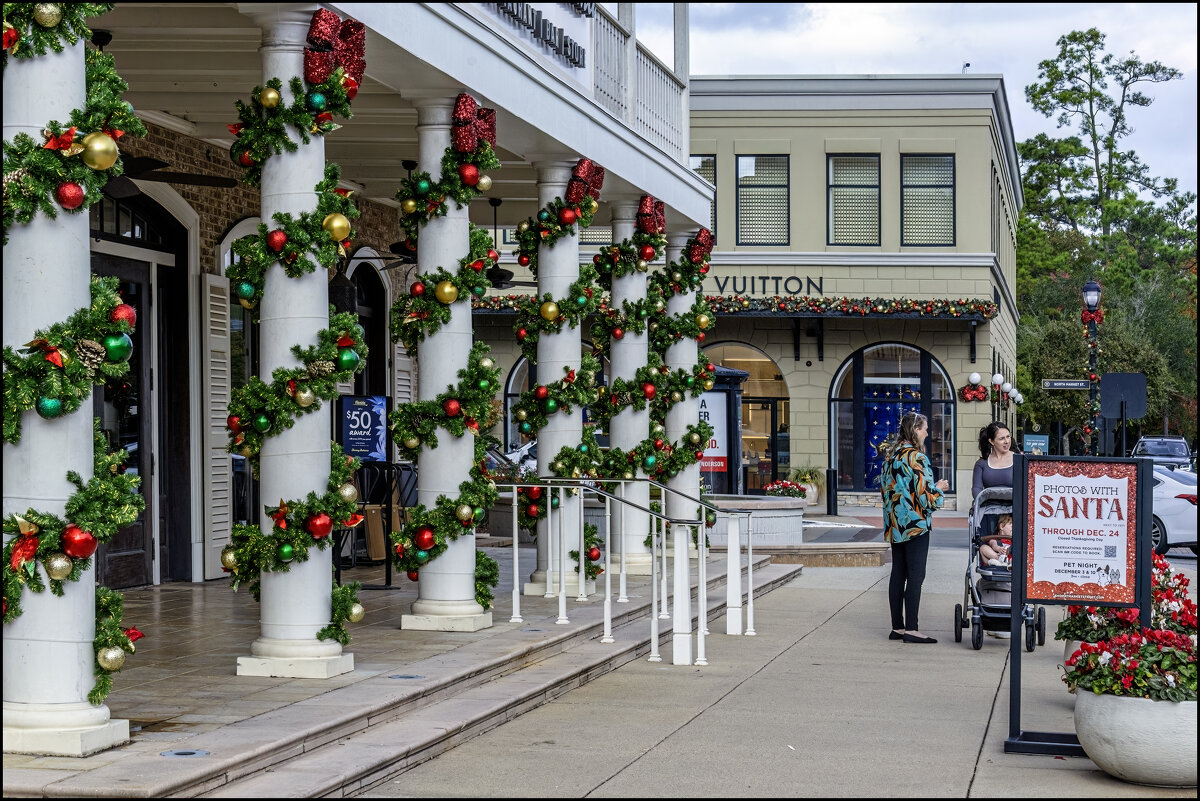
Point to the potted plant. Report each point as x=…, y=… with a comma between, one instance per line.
x=785, y=489
x=812, y=477
x=1135, y=693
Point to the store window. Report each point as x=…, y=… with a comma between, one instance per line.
x=872, y=390
x=853, y=183
x=706, y=168
x=927, y=200
x=765, y=415
x=763, y=216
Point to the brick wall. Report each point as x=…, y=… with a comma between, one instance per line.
x=220, y=209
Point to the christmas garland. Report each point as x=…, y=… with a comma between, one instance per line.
x=472, y=137
x=326, y=231
x=533, y=408
x=32, y=29
x=98, y=508
x=417, y=315
x=613, y=324
x=673, y=328
x=547, y=315
x=459, y=409
x=258, y=410
x=111, y=642
x=936, y=307
x=621, y=393
x=297, y=527
x=73, y=162
x=344, y=608
x=559, y=217
x=59, y=366
x=333, y=67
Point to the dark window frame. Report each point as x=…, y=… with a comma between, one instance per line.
x=712, y=217
x=953, y=199
x=829, y=203
x=787, y=194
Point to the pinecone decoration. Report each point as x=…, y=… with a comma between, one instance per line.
x=91, y=353
x=13, y=178
x=321, y=368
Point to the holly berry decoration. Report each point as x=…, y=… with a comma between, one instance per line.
x=77, y=543
x=124, y=313
x=319, y=525
x=69, y=195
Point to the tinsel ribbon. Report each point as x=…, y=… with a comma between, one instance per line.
x=976, y=393
x=23, y=551
x=1096, y=316
x=133, y=634
x=334, y=43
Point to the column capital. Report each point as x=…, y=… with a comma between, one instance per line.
x=284, y=25
x=432, y=109
x=552, y=172
x=624, y=207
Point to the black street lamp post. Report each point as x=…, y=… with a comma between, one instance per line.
x=1092, y=316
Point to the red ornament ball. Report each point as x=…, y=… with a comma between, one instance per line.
x=412, y=575
x=77, y=543
x=648, y=253
x=493, y=255
x=452, y=408
x=567, y=216
x=534, y=493
x=234, y=423
x=417, y=289
x=541, y=393
x=532, y=510
x=469, y=174
x=700, y=337
x=523, y=260
x=658, y=444
x=618, y=333
x=124, y=313
x=424, y=538
x=351, y=87
x=648, y=390
x=593, y=553
x=276, y=240
x=521, y=334
x=597, y=259
x=246, y=160
x=699, y=455
x=319, y=525
x=69, y=195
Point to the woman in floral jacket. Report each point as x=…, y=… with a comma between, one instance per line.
x=909, y=497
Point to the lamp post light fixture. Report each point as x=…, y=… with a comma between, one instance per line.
x=1092, y=315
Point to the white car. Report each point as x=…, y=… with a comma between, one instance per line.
x=1174, y=510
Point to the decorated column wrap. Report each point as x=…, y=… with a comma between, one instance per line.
x=296, y=604
x=447, y=583
x=48, y=651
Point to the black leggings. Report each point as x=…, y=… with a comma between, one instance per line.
x=908, y=574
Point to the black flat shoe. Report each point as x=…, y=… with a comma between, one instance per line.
x=895, y=635
x=915, y=638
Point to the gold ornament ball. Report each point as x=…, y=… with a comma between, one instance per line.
x=658, y=305
x=47, y=14
x=522, y=226
x=627, y=476
x=677, y=277
x=464, y=512
x=694, y=438
x=676, y=396
x=229, y=558
x=99, y=150
x=522, y=414
x=246, y=304
x=549, y=311
x=709, y=384
x=703, y=321
x=411, y=442
x=357, y=613
x=593, y=206
x=557, y=467
x=484, y=183
x=658, y=430
x=642, y=265
x=486, y=363
x=269, y=98
x=58, y=566
x=111, y=658
x=348, y=492
x=337, y=226
x=408, y=205
x=446, y=292
x=246, y=451
x=305, y=397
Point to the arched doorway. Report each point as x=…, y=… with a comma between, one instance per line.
x=765, y=415
x=871, y=391
x=372, y=297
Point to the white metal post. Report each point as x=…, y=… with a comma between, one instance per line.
x=623, y=597
x=562, y=556
x=750, y=632
x=607, y=571
x=733, y=576
x=702, y=594
x=582, y=554
x=654, y=543
x=516, y=566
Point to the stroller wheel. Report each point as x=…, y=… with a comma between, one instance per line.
x=1041, y=625
x=976, y=633
x=1030, y=635
x=958, y=622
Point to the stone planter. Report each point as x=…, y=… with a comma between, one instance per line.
x=777, y=521
x=1069, y=647
x=1139, y=740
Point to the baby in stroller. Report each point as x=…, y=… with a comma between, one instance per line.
x=995, y=550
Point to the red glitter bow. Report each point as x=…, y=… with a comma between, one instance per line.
x=133, y=634
x=334, y=42
x=471, y=124
x=60, y=142
x=1096, y=316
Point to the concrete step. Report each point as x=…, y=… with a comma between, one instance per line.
x=357, y=761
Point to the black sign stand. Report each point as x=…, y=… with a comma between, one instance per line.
x=1064, y=743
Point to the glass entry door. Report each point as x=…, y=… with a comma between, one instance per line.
x=123, y=406
x=766, y=443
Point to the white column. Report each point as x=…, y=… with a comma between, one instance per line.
x=296, y=604
x=558, y=268
x=48, y=656
x=679, y=416
x=446, y=590
x=629, y=427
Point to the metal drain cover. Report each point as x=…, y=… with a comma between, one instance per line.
x=406, y=676
x=185, y=752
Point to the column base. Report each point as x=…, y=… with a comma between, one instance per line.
x=537, y=583
x=474, y=622
x=322, y=667
x=71, y=742
x=636, y=564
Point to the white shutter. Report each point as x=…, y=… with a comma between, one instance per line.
x=218, y=463
x=402, y=373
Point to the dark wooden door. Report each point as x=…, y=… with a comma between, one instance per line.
x=123, y=406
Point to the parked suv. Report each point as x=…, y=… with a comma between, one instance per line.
x=1167, y=450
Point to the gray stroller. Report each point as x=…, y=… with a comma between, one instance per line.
x=987, y=593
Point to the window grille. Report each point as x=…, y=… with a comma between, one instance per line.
x=763, y=216
x=927, y=200
x=706, y=168
x=854, y=200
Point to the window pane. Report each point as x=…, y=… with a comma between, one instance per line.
x=706, y=168
x=937, y=170
x=763, y=215
x=854, y=200
x=854, y=170
x=927, y=199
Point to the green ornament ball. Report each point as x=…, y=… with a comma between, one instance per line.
x=262, y=423
x=359, y=332
x=118, y=347
x=483, y=384
x=422, y=556
x=245, y=290
x=424, y=187
x=526, y=428
x=479, y=513
x=581, y=301
x=317, y=101
x=551, y=405
x=287, y=552
x=554, y=501
x=583, y=448
x=478, y=291
x=347, y=359
x=543, y=216
x=649, y=461
x=49, y=408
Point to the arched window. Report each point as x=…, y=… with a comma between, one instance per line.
x=521, y=378
x=872, y=390
x=372, y=297
x=766, y=448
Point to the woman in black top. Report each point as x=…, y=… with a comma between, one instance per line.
x=994, y=468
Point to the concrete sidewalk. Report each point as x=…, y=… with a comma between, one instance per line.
x=819, y=704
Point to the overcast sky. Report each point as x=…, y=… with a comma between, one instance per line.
x=936, y=38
